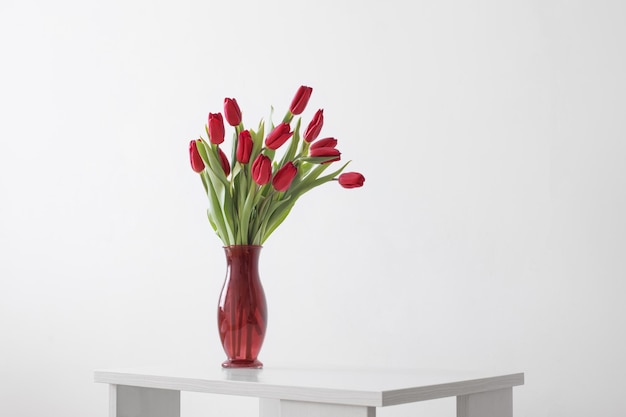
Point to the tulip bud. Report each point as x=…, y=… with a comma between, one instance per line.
x=278, y=136
x=284, y=176
x=224, y=162
x=324, y=143
x=262, y=169
x=300, y=100
x=197, y=164
x=216, y=128
x=351, y=180
x=244, y=147
x=314, y=127
x=232, y=112
x=326, y=152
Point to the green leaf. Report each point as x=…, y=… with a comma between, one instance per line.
x=212, y=222
x=317, y=159
x=278, y=214
x=312, y=180
x=246, y=213
x=216, y=215
x=204, y=182
x=242, y=232
x=304, y=167
x=224, y=202
x=233, y=153
x=308, y=179
x=276, y=221
x=257, y=141
x=215, y=164
x=304, y=149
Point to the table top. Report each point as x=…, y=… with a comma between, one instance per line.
x=373, y=387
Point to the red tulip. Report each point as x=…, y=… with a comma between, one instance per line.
x=284, y=176
x=262, y=169
x=232, y=112
x=314, y=127
x=216, y=128
x=324, y=143
x=351, y=180
x=224, y=162
x=300, y=100
x=197, y=164
x=244, y=147
x=278, y=136
x=326, y=152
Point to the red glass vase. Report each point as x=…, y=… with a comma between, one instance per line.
x=242, y=310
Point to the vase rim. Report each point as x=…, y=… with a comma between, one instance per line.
x=242, y=246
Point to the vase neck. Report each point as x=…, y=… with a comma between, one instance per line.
x=242, y=262
x=242, y=250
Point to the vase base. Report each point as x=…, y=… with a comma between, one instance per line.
x=255, y=364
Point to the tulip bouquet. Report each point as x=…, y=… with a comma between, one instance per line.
x=252, y=194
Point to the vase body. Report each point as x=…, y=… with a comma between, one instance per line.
x=242, y=309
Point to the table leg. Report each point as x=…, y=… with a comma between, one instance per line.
x=287, y=408
x=269, y=407
x=498, y=403
x=127, y=401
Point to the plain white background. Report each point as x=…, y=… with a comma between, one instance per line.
x=490, y=233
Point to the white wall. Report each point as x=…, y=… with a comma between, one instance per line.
x=490, y=232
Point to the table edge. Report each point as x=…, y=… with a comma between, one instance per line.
x=312, y=394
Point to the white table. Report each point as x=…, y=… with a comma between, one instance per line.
x=288, y=392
